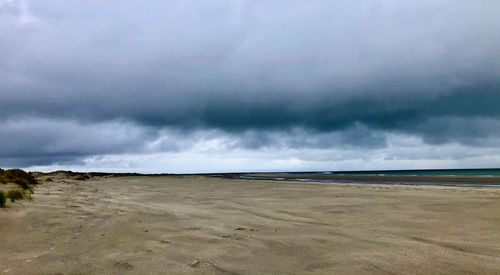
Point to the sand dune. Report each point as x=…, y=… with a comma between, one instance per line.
x=202, y=225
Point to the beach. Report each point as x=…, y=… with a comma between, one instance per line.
x=199, y=224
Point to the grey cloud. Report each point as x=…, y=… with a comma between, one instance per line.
x=478, y=132
x=357, y=136
x=30, y=141
x=345, y=73
x=40, y=141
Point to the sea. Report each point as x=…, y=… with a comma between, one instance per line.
x=485, y=172
x=489, y=177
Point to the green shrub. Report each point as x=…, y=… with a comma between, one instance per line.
x=2, y=199
x=14, y=195
x=12, y=174
x=21, y=178
x=21, y=182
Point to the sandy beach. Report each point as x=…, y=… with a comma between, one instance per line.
x=202, y=225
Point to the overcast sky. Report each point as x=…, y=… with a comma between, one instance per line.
x=208, y=86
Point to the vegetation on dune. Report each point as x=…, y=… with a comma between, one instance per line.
x=19, y=176
x=14, y=195
x=21, y=182
x=3, y=199
x=22, y=179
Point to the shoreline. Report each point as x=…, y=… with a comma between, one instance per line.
x=456, y=181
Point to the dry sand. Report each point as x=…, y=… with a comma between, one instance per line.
x=201, y=225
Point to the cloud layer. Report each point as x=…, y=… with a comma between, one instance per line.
x=80, y=80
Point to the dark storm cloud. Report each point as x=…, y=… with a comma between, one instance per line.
x=342, y=72
x=40, y=142
x=357, y=136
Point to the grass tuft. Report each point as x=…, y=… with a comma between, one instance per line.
x=14, y=195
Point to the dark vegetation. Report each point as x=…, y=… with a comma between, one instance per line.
x=14, y=195
x=17, y=176
x=23, y=180
x=3, y=199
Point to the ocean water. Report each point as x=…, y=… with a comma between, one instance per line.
x=467, y=181
x=490, y=172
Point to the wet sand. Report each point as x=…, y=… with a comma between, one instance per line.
x=203, y=225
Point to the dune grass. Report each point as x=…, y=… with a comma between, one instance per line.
x=14, y=195
x=24, y=180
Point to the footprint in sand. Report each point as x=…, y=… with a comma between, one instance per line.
x=244, y=229
x=122, y=265
x=235, y=237
x=208, y=266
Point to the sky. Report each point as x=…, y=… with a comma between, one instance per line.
x=186, y=86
